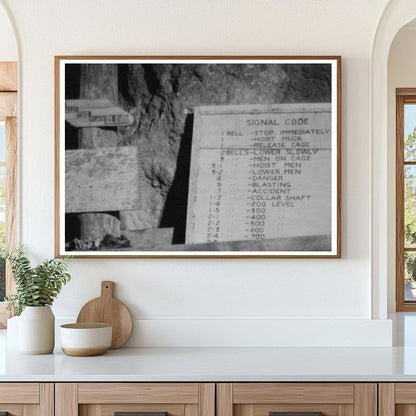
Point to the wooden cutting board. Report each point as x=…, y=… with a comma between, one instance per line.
x=108, y=310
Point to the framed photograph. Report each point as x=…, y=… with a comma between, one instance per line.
x=198, y=156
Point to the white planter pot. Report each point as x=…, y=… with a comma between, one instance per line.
x=12, y=334
x=37, y=330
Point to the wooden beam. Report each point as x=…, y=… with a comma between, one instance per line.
x=98, y=112
x=8, y=76
x=11, y=196
x=8, y=105
x=106, y=179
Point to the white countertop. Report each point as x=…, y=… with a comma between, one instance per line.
x=215, y=364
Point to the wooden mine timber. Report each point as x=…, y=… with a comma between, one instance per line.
x=148, y=239
x=95, y=113
x=105, y=179
x=95, y=137
x=97, y=225
x=310, y=243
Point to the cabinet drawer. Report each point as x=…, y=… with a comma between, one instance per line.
x=19, y=393
x=147, y=399
x=21, y=399
x=138, y=393
x=297, y=399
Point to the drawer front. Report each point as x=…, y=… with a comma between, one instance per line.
x=22, y=399
x=138, y=393
x=297, y=399
x=131, y=399
x=342, y=393
x=19, y=393
x=118, y=409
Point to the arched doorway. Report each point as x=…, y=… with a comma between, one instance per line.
x=396, y=15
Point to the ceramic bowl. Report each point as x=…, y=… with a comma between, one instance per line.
x=83, y=340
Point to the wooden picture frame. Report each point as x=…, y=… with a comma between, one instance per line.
x=198, y=156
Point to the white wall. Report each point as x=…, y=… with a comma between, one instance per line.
x=401, y=74
x=202, y=299
x=8, y=47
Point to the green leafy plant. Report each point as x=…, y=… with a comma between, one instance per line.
x=35, y=285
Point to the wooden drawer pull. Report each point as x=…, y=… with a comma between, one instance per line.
x=295, y=413
x=139, y=414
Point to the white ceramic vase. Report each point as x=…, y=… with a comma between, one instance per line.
x=13, y=332
x=37, y=330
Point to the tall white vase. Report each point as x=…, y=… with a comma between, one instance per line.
x=13, y=332
x=37, y=330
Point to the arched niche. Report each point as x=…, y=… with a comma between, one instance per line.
x=396, y=14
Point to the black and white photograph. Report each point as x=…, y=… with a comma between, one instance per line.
x=197, y=156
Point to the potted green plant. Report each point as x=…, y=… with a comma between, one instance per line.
x=36, y=289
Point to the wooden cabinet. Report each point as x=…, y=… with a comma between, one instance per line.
x=27, y=399
x=208, y=399
x=106, y=399
x=262, y=399
x=397, y=399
